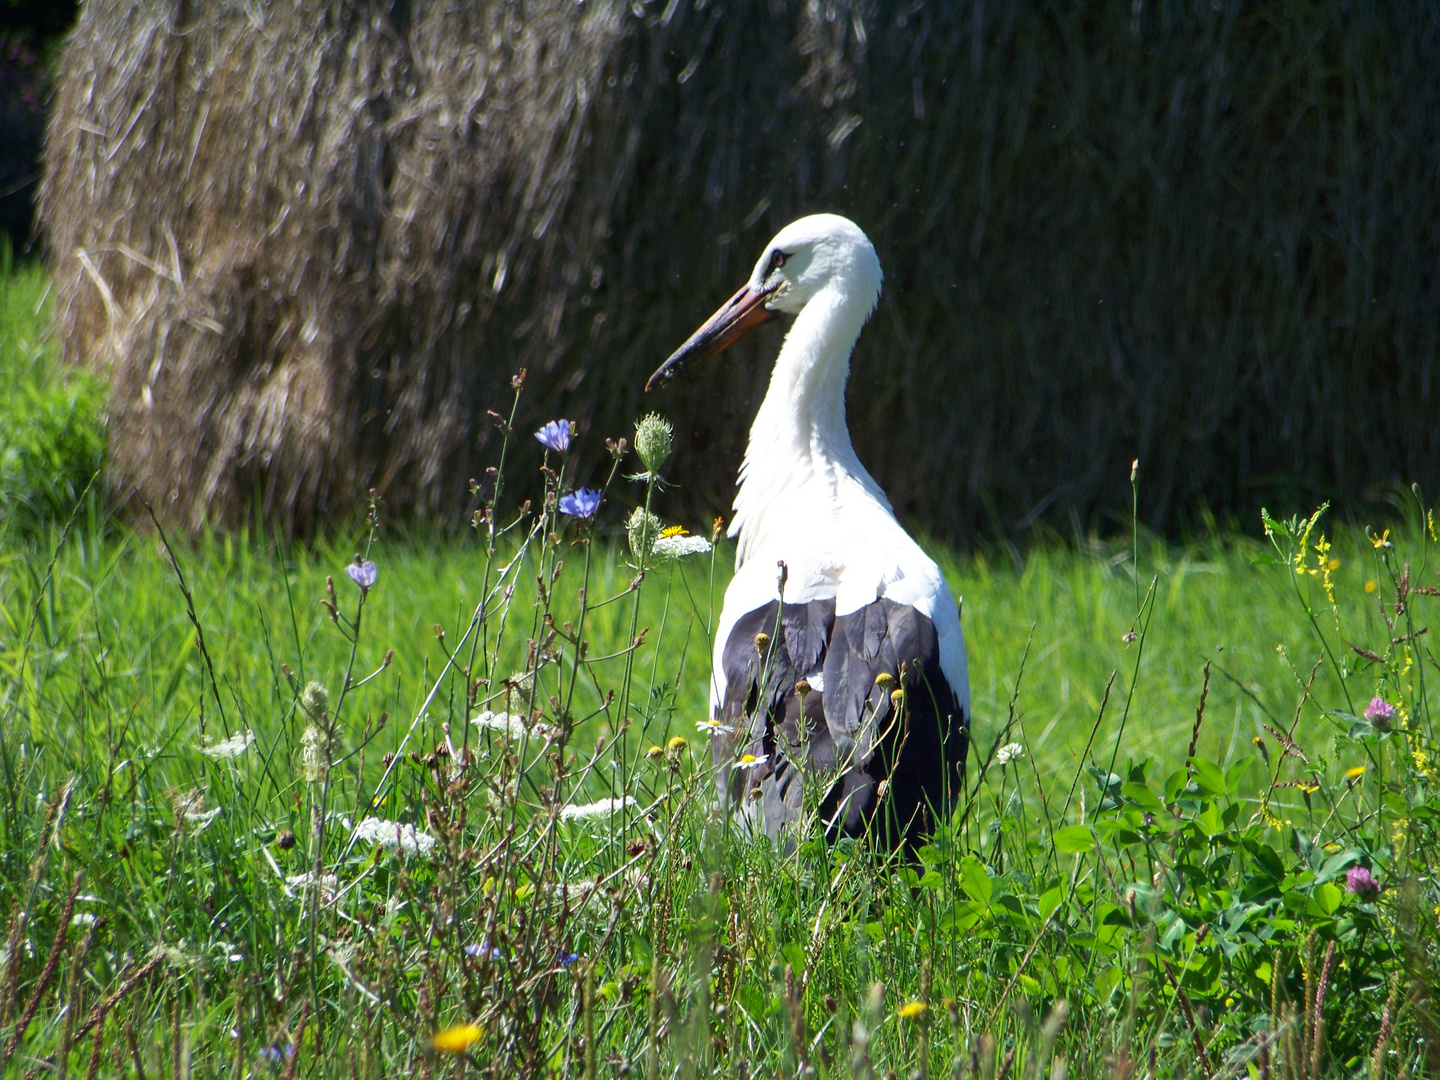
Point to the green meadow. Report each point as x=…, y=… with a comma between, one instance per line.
x=257, y=820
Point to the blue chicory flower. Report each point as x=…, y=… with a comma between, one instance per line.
x=581, y=503
x=568, y=958
x=555, y=436
x=363, y=574
x=484, y=951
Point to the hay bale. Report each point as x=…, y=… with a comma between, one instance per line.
x=311, y=246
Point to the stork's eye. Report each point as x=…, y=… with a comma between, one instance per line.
x=777, y=260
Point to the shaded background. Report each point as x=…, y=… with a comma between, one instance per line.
x=311, y=243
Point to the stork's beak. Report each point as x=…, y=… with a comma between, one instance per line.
x=742, y=313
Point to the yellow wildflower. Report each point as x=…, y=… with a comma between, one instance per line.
x=1381, y=541
x=1310, y=789
x=673, y=530
x=884, y=679
x=1369, y=586
x=1334, y=564
x=456, y=1039
x=1355, y=773
x=897, y=696
x=655, y=752
x=912, y=1010
x=676, y=744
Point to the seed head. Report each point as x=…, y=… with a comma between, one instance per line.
x=643, y=529
x=314, y=699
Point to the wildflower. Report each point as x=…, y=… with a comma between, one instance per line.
x=567, y=958
x=555, y=436
x=912, y=1010
x=654, y=439
x=232, y=747
x=642, y=529
x=314, y=699
x=677, y=547
x=762, y=642
x=190, y=808
x=884, y=680
x=1259, y=744
x=456, y=1039
x=275, y=1053
x=751, y=761
x=676, y=744
x=897, y=696
x=581, y=503
x=1353, y=774
x=1370, y=586
x=1008, y=753
x=1379, y=712
x=1381, y=541
x=673, y=530
x=362, y=573
x=312, y=759
x=594, y=809
x=1361, y=882
x=655, y=752
x=511, y=724
x=396, y=835
x=328, y=884
x=484, y=951
x=1309, y=789
x=714, y=727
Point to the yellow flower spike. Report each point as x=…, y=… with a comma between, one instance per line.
x=912, y=1010
x=655, y=752
x=1355, y=774
x=676, y=744
x=1370, y=586
x=456, y=1039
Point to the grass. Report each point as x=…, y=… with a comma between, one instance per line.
x=1146, y=888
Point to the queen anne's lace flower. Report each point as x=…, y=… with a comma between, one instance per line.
x=232, y=747
x=677, y=547
x=594, y=809
x=396, y=835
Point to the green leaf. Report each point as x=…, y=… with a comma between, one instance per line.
x=1051, y=899
x=975, y=880
x=1073, y=839
x=1325, y=899
x=1208, y=777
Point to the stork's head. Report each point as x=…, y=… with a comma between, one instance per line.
x=820, y=254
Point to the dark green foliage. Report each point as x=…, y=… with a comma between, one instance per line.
x=1203, y=235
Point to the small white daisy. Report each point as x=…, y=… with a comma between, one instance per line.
x=714, y=727
x=751, y=761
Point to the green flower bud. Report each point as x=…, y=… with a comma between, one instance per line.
x=654, y=439
x=643, y=529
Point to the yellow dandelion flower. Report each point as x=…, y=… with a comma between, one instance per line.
x=655, y=751
x=456, y=1039
x=912, y=1010
x=673, y=530
x=1355, y=773
x=676, y=744
x=1370, y=586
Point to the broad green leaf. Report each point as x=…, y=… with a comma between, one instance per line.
x=975, y=880
x=1208, y=776
x=1074, y=839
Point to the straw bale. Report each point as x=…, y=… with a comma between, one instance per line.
x=311, y=242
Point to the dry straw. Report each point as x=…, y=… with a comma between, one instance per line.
x=312, y=241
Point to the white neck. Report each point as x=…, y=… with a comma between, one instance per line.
x=800, y=461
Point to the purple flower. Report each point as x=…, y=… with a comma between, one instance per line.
x=276, y=1053
x=362, y=573
x=568, y=958
x=484, y=951
x=1379, y=712
x=1361, y=882
x=581, y=503
x=555, y=436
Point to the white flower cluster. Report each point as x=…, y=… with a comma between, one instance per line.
x=594, y=809
x=396, y=835
x=511, y=724
x=229, y=748
x=1009, y=752
x=677, y=547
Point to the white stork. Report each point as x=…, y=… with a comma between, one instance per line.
x=802, y=653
